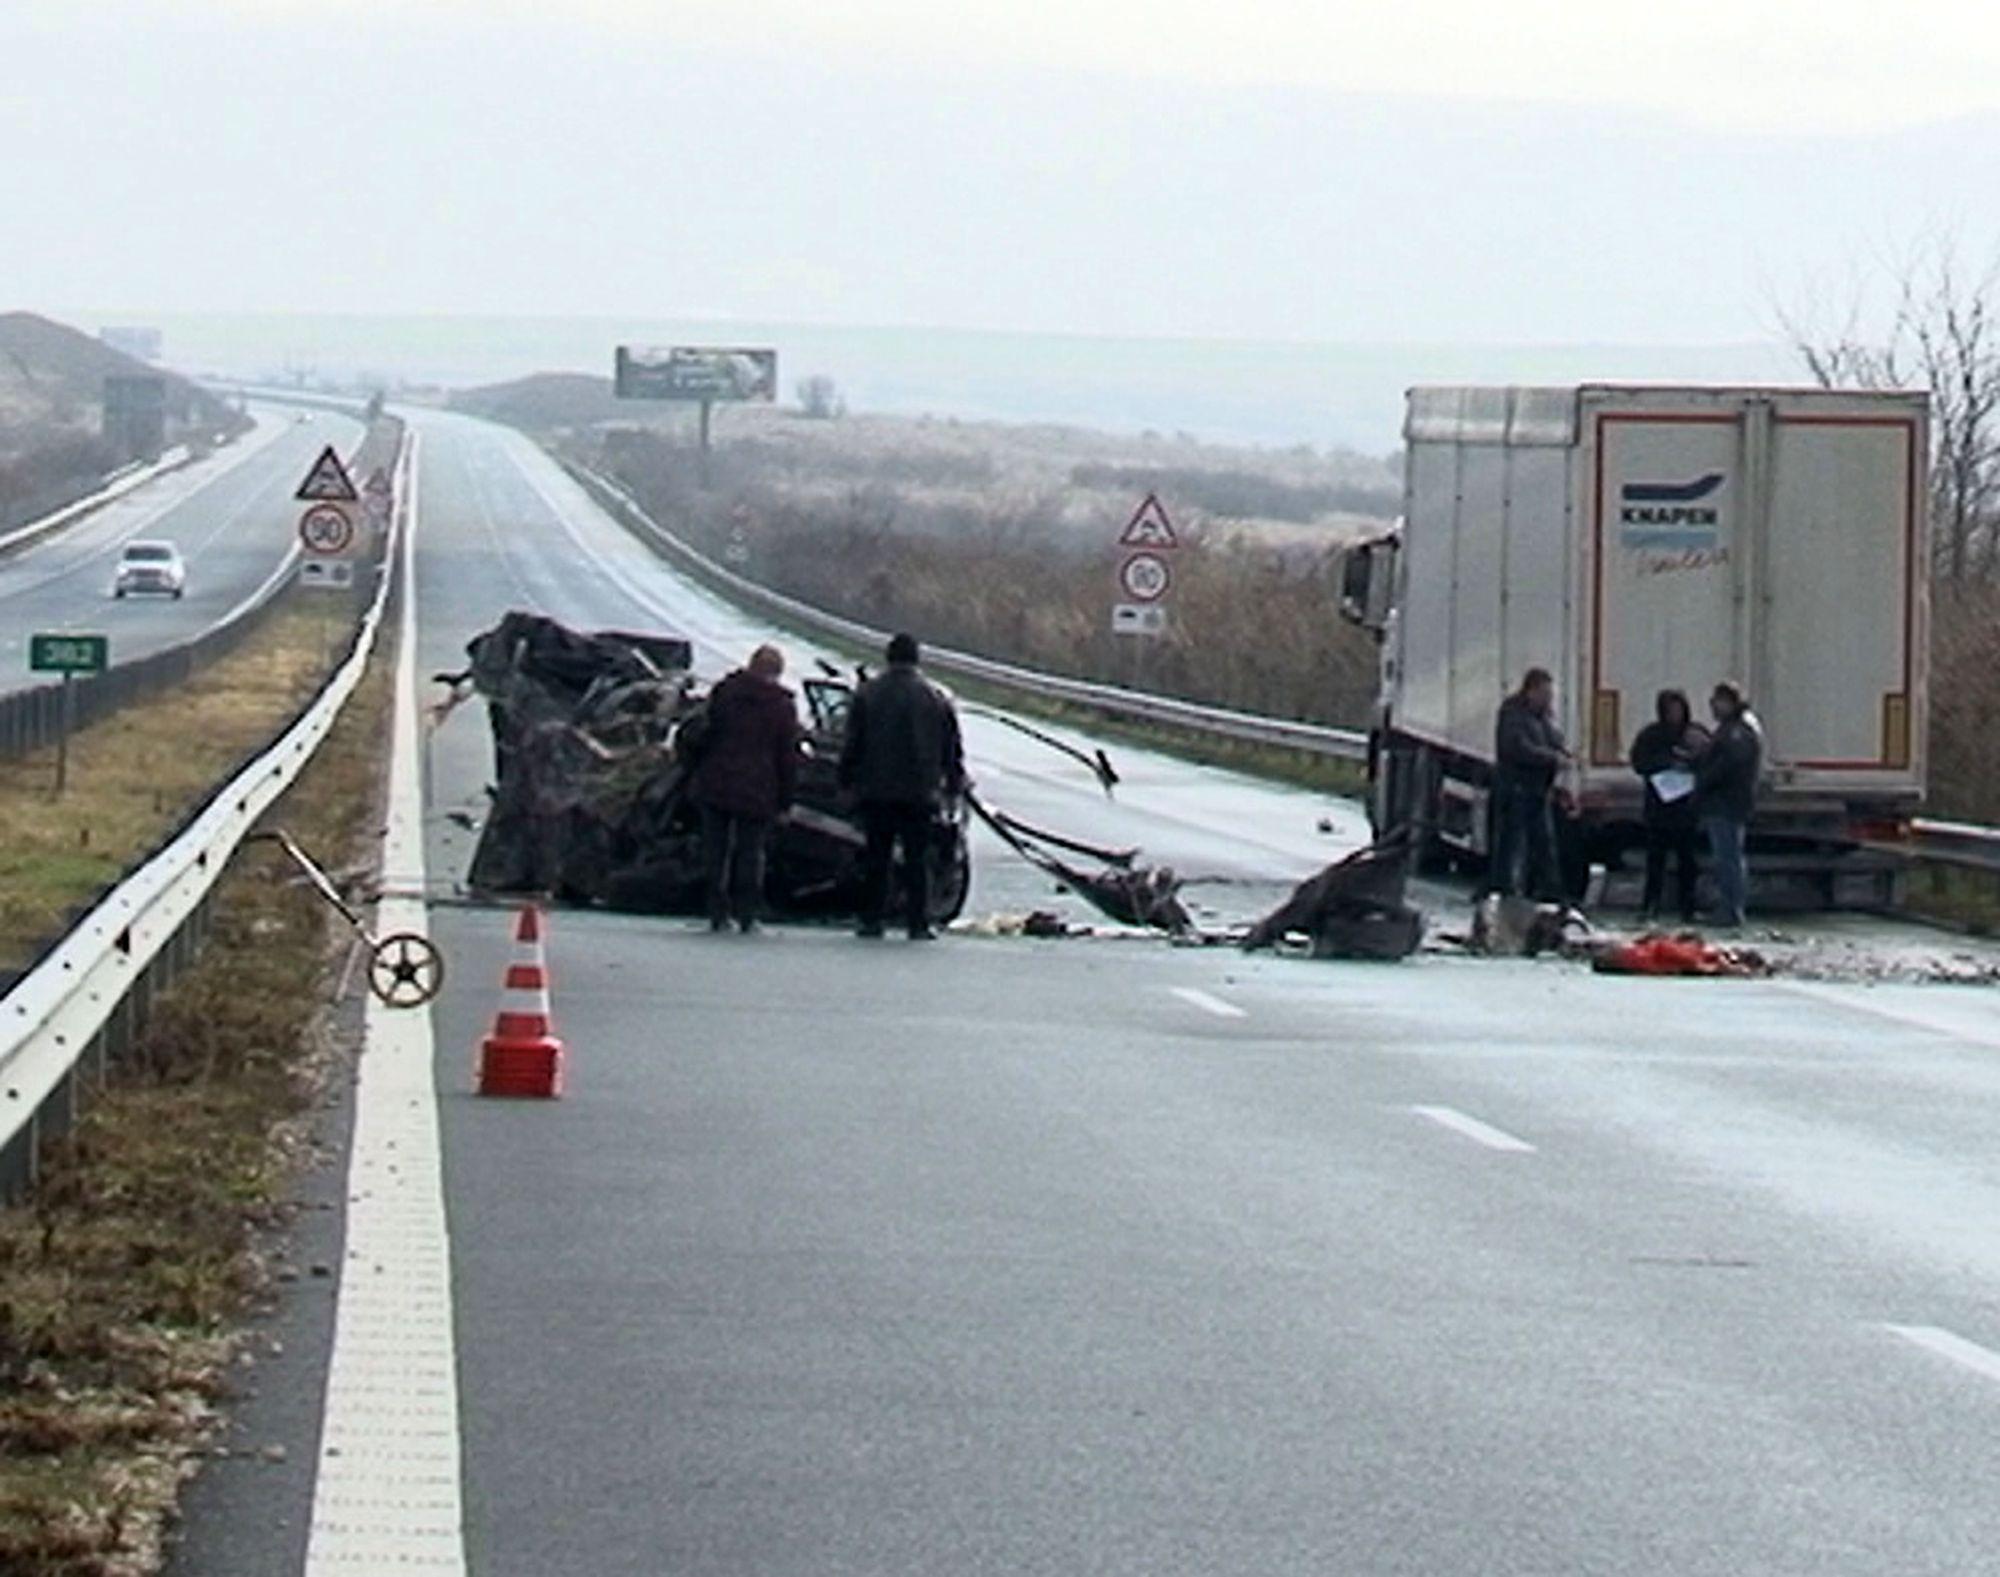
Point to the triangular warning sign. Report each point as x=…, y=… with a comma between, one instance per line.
x=327, y=482
x=378, y=481
x=1149, y=527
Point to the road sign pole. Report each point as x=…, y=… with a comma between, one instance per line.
x=707, y=407
x=62, y=734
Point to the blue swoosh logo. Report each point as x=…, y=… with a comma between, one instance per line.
x=1671, y=492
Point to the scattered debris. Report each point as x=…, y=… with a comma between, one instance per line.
x=1037, y=923
x=1149, y=896
x=1659, y=953
x=1505, y=925
x=1355, y=908
x=1098, y=762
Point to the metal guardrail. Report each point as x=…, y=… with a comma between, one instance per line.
x=32, y=719
x=1343, y=744
x=82, y=1003
x=1955, y=843
x=124, y=480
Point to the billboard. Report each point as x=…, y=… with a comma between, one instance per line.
x=137, y=340
x=135, y=415
x=696, y=372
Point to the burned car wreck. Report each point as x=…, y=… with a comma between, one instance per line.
x=590, y=805
x=589, y=802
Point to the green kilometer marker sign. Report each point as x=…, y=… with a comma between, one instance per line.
x=69, y=654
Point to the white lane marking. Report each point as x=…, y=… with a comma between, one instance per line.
x=1910, y=1015
x=88, y=547
x=528, y=465
x=1982, y=1361
x=1472, y=1128
x=386, y=1496
x=1207, y=1003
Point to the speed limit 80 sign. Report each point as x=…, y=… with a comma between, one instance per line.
x=327, y=530
x=1145, y=577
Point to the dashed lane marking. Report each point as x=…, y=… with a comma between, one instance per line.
x=1207, y=1003
x=1472, y=1128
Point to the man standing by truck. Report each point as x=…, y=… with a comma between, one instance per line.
x=1528, y=751
x=1726, y=792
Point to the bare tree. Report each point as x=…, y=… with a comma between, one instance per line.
x=1943, y=334
x=819, y=396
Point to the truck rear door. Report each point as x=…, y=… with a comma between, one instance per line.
x=1771, y=537
x=1665, y=488
x=1841, y=587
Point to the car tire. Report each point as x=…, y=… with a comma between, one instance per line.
x=951, y=881
x=177, y=594
x=119, y=594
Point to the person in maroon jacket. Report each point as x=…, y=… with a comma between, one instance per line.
x=743, y=783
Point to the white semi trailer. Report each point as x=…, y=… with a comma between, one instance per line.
x=1630, y=539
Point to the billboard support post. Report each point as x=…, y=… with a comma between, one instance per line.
x=700, y=375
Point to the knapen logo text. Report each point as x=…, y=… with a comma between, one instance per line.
x=1671, y=514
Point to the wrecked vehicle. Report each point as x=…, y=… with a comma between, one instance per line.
x=589, y=803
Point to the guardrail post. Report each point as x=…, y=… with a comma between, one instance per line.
x=17, y=1164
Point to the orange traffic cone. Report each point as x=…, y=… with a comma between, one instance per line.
x=522, y=1056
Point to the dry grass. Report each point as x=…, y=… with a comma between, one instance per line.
x=1253, y=627
x=123, y=1278
x=135, y=774
x=1966, y=900
x=1965, y=702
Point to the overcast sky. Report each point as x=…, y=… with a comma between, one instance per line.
x=1424, y=170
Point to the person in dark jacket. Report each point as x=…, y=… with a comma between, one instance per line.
x=900, y=757
x=1726, y=793
x=743, y=779
x=1528, y=751
x=1664, y=755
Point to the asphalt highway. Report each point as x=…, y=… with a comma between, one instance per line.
x=1008, y=1256
x=231, y=515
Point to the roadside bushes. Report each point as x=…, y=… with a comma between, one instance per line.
x=1965, y=701
x=1243, y=495
x=1254, y=626
x=46, y=468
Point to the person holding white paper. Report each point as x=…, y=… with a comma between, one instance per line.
x=1664, y=755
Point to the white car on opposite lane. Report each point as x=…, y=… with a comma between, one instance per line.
x=150, y=567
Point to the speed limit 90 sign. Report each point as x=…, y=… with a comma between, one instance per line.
x=1145, y=577
x=325, y=529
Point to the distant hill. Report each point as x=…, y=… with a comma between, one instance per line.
x=547, y=399
x=52, y=442
x=52, y=387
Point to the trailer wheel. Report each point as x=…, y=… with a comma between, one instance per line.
x=1422, y=811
